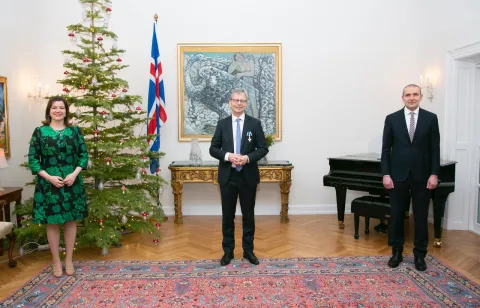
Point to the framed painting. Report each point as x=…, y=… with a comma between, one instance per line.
x=4, y=129
x=207, y=74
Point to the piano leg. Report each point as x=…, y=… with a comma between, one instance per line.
x=439, y=202
x=341, y=197
x=381, y=227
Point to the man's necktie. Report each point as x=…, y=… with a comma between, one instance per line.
x=238, y=142
x=411, y=131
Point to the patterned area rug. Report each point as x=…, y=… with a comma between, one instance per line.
x=297, y=282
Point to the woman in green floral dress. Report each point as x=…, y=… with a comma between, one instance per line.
x=57, y=155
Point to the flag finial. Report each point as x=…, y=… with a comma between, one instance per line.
x=155, y=17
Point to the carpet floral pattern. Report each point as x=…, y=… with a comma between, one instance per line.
x=293, y=282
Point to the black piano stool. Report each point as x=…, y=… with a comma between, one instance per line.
x=370, y=206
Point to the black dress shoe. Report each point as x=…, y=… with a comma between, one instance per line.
x=395, y=259
x=420, y=264
x=250, y=256
x=227, y=257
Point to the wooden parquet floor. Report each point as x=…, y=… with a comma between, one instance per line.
x=304, y=236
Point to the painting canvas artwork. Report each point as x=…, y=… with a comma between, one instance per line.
x=4, y=129
x=207, y=74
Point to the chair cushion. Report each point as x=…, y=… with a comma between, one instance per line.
x=5, y=228
x=372, y=201
x=371, y=206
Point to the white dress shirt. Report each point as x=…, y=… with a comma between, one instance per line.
x=234, y=129
x=407, y=118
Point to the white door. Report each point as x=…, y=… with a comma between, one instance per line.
x=462, y=136
x=475, y=191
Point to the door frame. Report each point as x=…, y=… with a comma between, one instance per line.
x=459, y=143
x=474, y=224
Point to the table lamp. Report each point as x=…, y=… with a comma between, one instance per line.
x=3, y=163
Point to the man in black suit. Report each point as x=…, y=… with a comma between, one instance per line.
x=238, y=143
x=410, y=165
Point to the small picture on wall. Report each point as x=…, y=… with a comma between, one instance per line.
x=207, y=74
x=4, y=129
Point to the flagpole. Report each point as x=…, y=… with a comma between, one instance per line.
x=165, y=218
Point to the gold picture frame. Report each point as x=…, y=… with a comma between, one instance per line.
x=4, y=127
x=206, y=75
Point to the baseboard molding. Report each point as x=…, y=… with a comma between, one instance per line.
x=295, y=209
x=477, y=233
x=300, y=209
x=451, y=225
x=314, y=209
x=454, y=225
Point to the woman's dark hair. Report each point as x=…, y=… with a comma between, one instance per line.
x=53, y=99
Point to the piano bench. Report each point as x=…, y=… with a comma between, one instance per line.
x=369, y=206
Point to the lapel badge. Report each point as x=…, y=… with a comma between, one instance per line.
x=249, y=134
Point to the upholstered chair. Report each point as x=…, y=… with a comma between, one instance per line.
x=6, y=231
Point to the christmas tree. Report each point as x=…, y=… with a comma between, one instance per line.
x=121, y=194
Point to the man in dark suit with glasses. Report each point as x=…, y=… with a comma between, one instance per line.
x=238, y=143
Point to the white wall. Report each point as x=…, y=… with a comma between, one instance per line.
x=344, y=65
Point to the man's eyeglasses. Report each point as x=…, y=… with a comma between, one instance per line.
x=243, y=101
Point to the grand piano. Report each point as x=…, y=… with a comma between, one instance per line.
x=361, y=172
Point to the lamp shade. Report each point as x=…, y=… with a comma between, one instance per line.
x=3, y=159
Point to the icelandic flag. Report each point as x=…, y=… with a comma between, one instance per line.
x=157, y=115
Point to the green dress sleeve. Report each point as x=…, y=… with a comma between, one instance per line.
x=82, y=150
x=34, y=152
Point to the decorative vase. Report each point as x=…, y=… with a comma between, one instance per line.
x=195, y=152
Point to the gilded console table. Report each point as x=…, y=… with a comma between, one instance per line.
x=207, y=172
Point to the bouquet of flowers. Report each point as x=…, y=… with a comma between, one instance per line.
x=270, y=140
